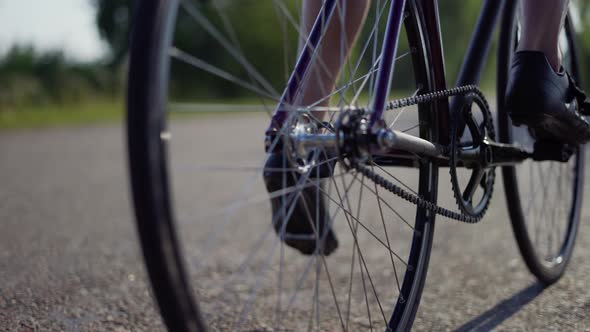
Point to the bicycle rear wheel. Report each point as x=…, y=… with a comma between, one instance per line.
x=196, y=164
x=544, y=198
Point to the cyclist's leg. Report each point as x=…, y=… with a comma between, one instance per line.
x=335, y=48
x=332, y=54
x=541, y=23
x=540, y=94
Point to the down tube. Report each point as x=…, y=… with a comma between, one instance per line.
x=388, y=54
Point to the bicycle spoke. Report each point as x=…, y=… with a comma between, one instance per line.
x=386, y=236
x=255, y=289
x=412, y=127
x=247, y=253
x=369, y=232
x=323, y=258
x=198, y=63
x=209, y=27
x=384, y=202
x=361, y=256
x=219, y=108
x=395, y=178
x=279, y=286
x=353, y=256
x=402, y=111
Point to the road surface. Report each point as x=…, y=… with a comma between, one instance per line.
x=70, y=260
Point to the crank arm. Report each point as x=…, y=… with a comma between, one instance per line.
x=506, y=154
x=511, y=154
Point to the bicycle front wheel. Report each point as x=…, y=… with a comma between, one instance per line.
x=544, y=198
x=203, y=81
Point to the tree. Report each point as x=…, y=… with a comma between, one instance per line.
x=254, y=23
x=113, y=19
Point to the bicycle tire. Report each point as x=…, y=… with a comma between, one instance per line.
x=547, y=270
x=150, y=178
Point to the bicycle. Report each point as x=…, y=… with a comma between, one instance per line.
x=365, y=152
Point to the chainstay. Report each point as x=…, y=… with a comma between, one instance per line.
x=401, y=192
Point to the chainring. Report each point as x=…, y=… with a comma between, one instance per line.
x=474, y=156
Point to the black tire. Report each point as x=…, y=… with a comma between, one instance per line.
x=522, y=226
x=149, y=169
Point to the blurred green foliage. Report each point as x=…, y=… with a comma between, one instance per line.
x=269, y=41
x=581, y=22
x=255, y=28
x=32, y=78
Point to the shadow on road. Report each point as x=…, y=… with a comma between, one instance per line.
x=503, y=310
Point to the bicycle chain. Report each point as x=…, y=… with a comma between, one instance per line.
x=401, y=192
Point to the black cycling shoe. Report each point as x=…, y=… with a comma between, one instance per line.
x=548, y=102
x=298, y=231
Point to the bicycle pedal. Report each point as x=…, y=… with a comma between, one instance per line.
x=553, y=151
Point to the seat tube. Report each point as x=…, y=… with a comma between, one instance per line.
x=388, y=55
x=303, y=63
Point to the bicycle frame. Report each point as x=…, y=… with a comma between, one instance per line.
x=470, y=73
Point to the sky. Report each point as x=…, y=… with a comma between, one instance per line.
x=51, y=24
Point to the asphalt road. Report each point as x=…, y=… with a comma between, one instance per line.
x=70, y=260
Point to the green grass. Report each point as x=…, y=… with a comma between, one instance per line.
x=102, y=111
x=62, y=115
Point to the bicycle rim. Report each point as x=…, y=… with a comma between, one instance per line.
x=205, y=227
x=544, y=198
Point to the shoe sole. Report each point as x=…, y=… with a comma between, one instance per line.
x=569, y=129
x=299, y=215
